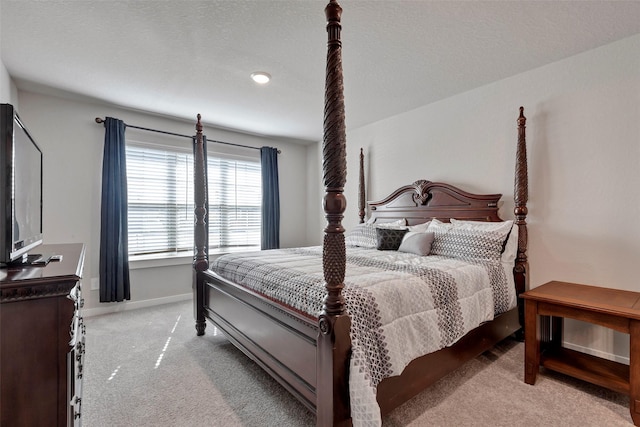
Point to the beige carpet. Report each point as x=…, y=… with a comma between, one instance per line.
x=148, y=368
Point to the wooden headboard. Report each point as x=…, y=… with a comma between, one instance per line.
x=424, y=200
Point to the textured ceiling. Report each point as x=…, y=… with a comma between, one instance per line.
x=180, y=58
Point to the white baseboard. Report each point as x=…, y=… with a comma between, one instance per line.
x=133, y=305
x=598, y=353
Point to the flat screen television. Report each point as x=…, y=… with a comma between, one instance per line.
x=20, y=189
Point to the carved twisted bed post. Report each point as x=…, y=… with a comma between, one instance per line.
x=201, y=256
x=521, y=196
x=333, y=338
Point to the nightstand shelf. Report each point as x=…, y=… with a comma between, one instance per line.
x=596, y=370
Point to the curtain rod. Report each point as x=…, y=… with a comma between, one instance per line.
x=100, y=120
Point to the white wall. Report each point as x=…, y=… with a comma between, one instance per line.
x=5, y=85
x=5, y=80
x=72, y=145
x=315, y=193
x=8, y=90
x=583, y=137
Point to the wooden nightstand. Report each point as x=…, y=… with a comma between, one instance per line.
x=612, y=308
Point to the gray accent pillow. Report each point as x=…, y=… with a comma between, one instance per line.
x=418, y=243
x=389, y=239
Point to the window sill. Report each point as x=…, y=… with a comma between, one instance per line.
x=178, y=258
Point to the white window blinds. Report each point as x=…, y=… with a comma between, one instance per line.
x=160, y=198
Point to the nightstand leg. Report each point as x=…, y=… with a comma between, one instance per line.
x=531, y=342
x=634, y=371
x=556, y=331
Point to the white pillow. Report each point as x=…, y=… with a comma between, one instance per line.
x=435, y=222
x=363, y=235
x=510, y=251
x=483, y=225
x=420, y=227
x=399, y=224
x=470, y=240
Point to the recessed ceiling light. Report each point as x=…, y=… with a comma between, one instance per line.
x=261, y=77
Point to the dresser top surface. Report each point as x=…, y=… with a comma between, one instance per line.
x=69, y=267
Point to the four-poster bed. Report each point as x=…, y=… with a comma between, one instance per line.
x=312, y=353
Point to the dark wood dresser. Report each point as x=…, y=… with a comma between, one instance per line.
x=42, y=341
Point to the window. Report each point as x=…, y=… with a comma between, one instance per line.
x=160, y=198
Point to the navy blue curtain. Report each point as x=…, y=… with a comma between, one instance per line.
x=114, y=254
x=270, y=198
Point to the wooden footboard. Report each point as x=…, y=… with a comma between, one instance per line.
x=281, y=341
